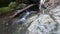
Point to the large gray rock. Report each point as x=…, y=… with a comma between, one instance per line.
x=43, y=25
x=46, y=24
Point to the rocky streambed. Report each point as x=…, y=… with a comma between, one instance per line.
x=32, y=23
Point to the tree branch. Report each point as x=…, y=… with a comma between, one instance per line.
x=22, y=10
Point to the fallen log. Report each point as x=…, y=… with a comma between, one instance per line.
x=22, y=10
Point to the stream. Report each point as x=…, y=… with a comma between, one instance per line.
x=9, y=26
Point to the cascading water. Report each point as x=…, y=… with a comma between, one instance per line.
x=23, y=19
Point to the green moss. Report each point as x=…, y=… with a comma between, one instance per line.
x=5, y=9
